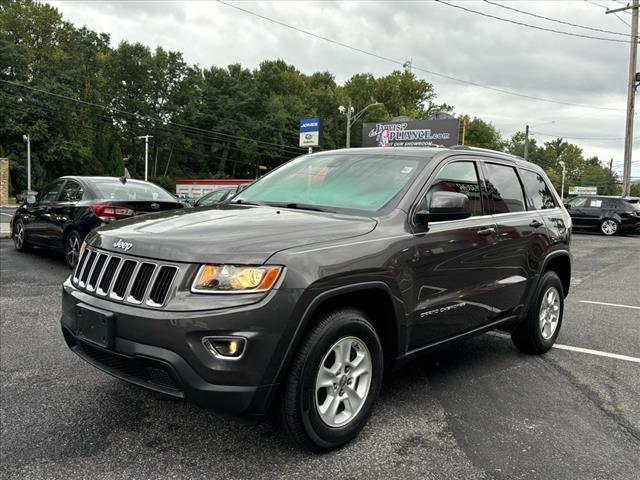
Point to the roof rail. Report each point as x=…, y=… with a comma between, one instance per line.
x=460, y=147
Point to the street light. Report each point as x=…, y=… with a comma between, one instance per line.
x=351, y=119
x=526, y=137
x=27, y=139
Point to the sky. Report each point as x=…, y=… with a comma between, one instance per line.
x=434, y=36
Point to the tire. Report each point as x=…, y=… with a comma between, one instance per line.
x=303, y=399
x=538, y=331
x=609, y=227
x=20, y=237
x=72, y=243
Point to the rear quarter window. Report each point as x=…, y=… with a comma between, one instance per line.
x=539, y=196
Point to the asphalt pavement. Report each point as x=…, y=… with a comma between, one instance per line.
x=480, y=410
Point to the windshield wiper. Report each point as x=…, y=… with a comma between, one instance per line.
x=244, y=202
x=302, y=206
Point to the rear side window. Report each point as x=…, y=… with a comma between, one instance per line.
x=595, y=203
x=577, y=202
x=610, y=203
x=50, y=192
x=72, y=192
x=539, y=195
x=504, y=188
x=460, y=177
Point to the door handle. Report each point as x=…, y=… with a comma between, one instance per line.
x=486, y=231
x=536, y=224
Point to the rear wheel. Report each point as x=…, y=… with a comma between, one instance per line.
x=20, y=237
x=538, y=331
x=609, y=226
x=334, y=381
x=72, y=248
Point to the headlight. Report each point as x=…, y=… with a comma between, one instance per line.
x=235, y=279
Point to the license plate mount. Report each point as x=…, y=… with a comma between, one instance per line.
x=95, y=326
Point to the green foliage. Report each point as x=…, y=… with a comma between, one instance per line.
x=635, y=190
x=483, y=135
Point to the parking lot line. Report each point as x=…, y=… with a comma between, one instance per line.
x=597, y=352
x=610, y=304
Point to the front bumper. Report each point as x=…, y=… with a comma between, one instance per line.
x=163, y=351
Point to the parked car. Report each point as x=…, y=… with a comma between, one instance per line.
x=298, y=295
x=186, y=200
x=67, y=209
x=609, y=215
x=215, y=197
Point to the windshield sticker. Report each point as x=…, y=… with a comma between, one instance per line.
x=406, y=170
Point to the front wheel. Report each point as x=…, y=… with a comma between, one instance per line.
x=609, y=226
x=72, y=248
x=334, y=381
x=539, y=329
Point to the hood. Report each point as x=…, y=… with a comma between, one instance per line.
x=226, y=234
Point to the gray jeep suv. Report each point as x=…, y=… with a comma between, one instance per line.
x=298, y=295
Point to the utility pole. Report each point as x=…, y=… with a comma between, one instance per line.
x=349, y=111
x=146, y=155
x=27, y=138
x=631, y=94
x=526, y=142
x=562, y=164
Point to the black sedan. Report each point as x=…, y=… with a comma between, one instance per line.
x=67, y=209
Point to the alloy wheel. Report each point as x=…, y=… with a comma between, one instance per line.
x=609, y=227
x=343, y=381
x=73, y=249
x=549, y=312
x=18, y=236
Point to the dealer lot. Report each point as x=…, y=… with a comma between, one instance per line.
x=479, y=410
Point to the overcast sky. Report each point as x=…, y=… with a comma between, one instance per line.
x=436, y=37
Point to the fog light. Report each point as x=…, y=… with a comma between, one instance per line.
x=228, y=348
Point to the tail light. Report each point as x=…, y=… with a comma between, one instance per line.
x=109, y=213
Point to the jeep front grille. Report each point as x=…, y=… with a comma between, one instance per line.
x=124, y=278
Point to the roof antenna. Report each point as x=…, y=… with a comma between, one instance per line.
x=125, y=177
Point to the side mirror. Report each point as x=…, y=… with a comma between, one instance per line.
x=30, y=199
x=445, y=206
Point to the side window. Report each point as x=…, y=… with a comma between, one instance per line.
x=539, y=195
x=72, y=192
x=577, y=202
x=595, y=203
x=460, y=177
x=50, y=192
x=610, y=203
x=504, y=188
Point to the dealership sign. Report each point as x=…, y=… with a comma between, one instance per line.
x=411, y=133
x=310, y=132
x=583, y=190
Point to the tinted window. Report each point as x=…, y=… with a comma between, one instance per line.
x=460, y=177
x=50, y=192
x=132, y=190
x=610, y=203
x=72, y=192
x=504, y=188
x=359, y=181
x=538, y=192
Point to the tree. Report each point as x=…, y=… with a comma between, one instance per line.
x=482, y=134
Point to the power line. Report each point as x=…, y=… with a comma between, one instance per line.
x=414, y=67
x=555, y=19
x=143, y=117
x=607, y=8
x=535, y=27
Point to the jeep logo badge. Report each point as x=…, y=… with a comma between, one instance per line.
x=121, y=244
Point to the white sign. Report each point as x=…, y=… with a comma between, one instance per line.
x=583, y=190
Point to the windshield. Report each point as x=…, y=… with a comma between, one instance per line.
x=114, y=189
x=350, y=181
